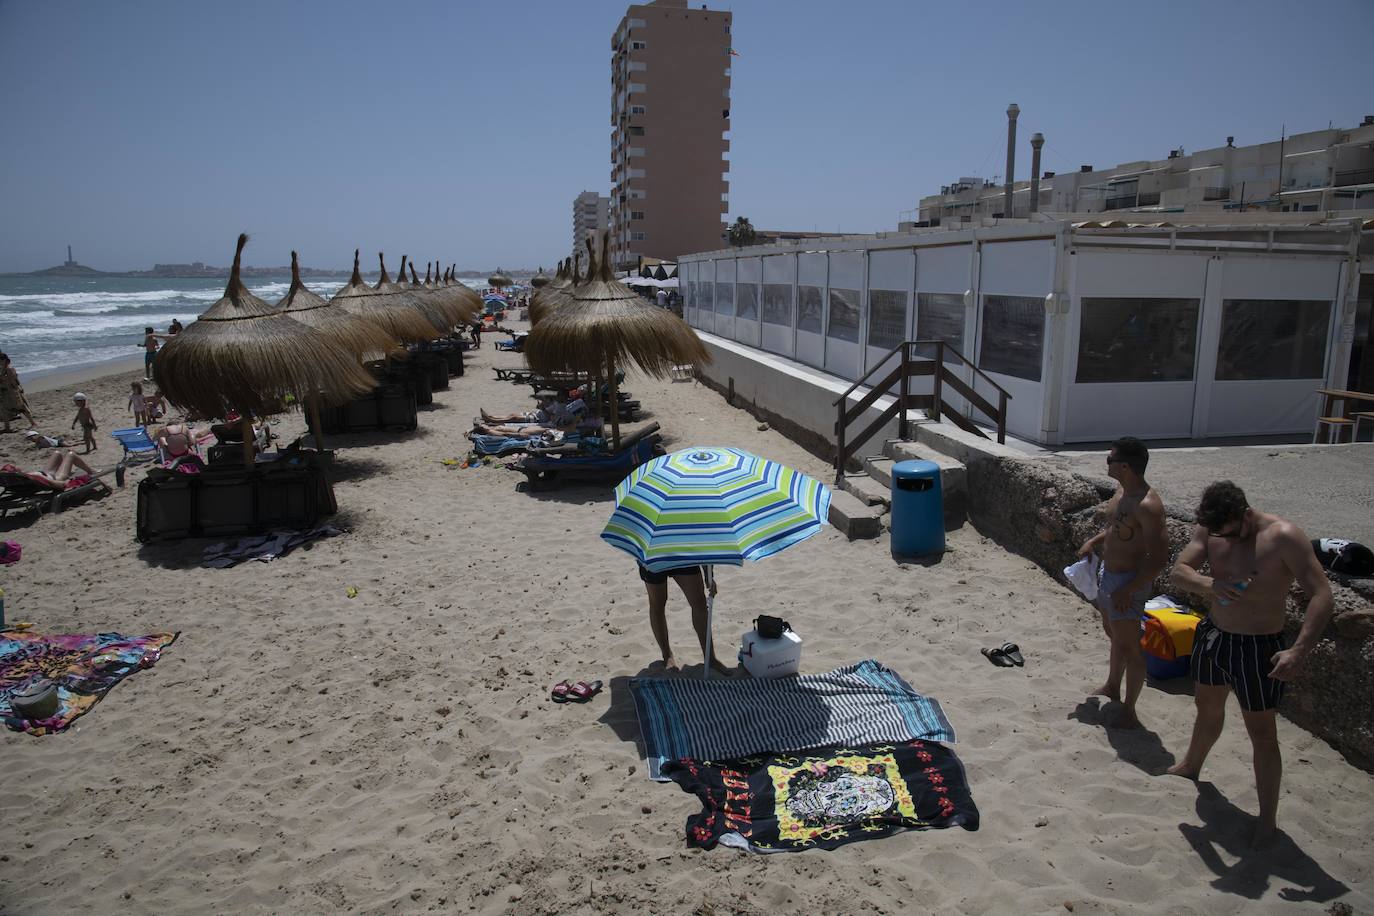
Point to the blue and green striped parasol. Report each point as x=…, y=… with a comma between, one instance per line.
x=705, y=506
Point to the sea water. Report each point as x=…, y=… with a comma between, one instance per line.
x=49, y=324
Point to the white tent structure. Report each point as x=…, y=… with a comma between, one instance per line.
x=1096, y=329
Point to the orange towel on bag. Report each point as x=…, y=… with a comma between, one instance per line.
x=1167, y=633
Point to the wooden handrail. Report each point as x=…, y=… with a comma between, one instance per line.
x=933, y=403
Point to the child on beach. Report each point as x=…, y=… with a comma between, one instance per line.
x=138, y=405
x=156, y=406
x=150, y=345
x=87, y=421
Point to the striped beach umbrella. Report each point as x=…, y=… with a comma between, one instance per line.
x=705, y=506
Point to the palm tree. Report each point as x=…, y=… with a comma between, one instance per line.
x=741, y=233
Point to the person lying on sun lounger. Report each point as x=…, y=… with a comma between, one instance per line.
x=548, y=413
x=58, y=467
x=573, y=417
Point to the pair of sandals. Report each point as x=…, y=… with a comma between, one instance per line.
x=1007, y=655
x=579, y=692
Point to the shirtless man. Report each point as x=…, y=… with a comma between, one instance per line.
x=1240, y=646
x=1135, y=549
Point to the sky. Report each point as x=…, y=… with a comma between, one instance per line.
x=156, y=130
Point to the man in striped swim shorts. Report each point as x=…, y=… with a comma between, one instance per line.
x=1254, y=558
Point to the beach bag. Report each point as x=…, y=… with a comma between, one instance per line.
x=1083, y=576
x=1167, y=633
x=10, y=552
x=1345, y=557
x=771, y=627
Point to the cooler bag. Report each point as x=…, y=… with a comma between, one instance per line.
x=1166, y=636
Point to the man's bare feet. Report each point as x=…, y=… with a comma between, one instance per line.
x=1108, y=691
x=670, y=662
x=1126, y=719
x=1185, y=769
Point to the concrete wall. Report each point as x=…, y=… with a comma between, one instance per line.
x=1045, y=515
x=798, y=402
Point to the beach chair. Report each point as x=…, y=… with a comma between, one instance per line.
x=551, y=467
x=24, y=492
x=138, y=446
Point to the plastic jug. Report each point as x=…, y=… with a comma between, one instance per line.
x=770, y=658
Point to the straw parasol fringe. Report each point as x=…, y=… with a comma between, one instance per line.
x=396, y=292
x=540, y=279
x=555, y=294
x=241, y=353
x=604, y=325
x=401, y=321
x=345, y=330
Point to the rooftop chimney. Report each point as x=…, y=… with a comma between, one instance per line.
x=1012, y=111
x=1037, y=141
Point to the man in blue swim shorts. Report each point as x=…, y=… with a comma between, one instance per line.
x=1135, y=549
x=1254, y=558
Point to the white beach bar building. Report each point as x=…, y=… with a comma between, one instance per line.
x=1095, y=329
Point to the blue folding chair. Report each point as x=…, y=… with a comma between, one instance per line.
x=137, y=445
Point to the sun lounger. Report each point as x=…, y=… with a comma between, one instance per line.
x=138, y=446
x=548, y=468
x=24, y=492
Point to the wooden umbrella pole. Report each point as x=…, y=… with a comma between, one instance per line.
x=312, y=404
x=246, y=424
x=613, y=406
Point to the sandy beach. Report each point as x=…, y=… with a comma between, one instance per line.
x=298, y=751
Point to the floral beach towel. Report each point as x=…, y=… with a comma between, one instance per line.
x=824, y=798
x=84, y=668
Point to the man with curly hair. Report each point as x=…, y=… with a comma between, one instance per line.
x=1254, y=557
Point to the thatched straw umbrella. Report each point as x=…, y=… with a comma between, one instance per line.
x=355, y=336
x=556, y=293
x=242, y=353
x=540, y=280
x=499, y=279
x=467, y=294
x=605, y=325
x=400, y=292
x=461, y=301
x=400, y=320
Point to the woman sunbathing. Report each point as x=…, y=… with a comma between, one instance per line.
x=58, y=467
x=176, y=439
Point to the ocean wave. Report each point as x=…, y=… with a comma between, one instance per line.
x=95, y=327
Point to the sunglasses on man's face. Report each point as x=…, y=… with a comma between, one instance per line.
x=1227, y=535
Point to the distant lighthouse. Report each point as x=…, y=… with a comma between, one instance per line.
x=70, y=262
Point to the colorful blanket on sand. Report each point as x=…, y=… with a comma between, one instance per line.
x=824, y=799
x=84, y=668
x=726, y=718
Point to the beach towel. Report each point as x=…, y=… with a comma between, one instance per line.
x=825, y=798
x=263, y=547
x=727, y=718
x=84, y=668
x=484, y=444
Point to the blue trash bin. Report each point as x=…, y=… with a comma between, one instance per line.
x=918, y=508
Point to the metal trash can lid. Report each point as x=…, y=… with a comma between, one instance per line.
x=916, y=468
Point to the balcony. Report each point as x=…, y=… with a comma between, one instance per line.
x=1145, y=199
x=1352, y=177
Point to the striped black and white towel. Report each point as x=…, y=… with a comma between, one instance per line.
x=726, y=718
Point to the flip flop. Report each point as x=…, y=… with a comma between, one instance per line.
x=560, y=692
x=998, y=658
x=1012, y=652
x=581, y=692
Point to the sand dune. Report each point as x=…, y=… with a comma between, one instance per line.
x=298, y=751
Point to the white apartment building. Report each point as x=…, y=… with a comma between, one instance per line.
x=590, y=214
x=1326, y=171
